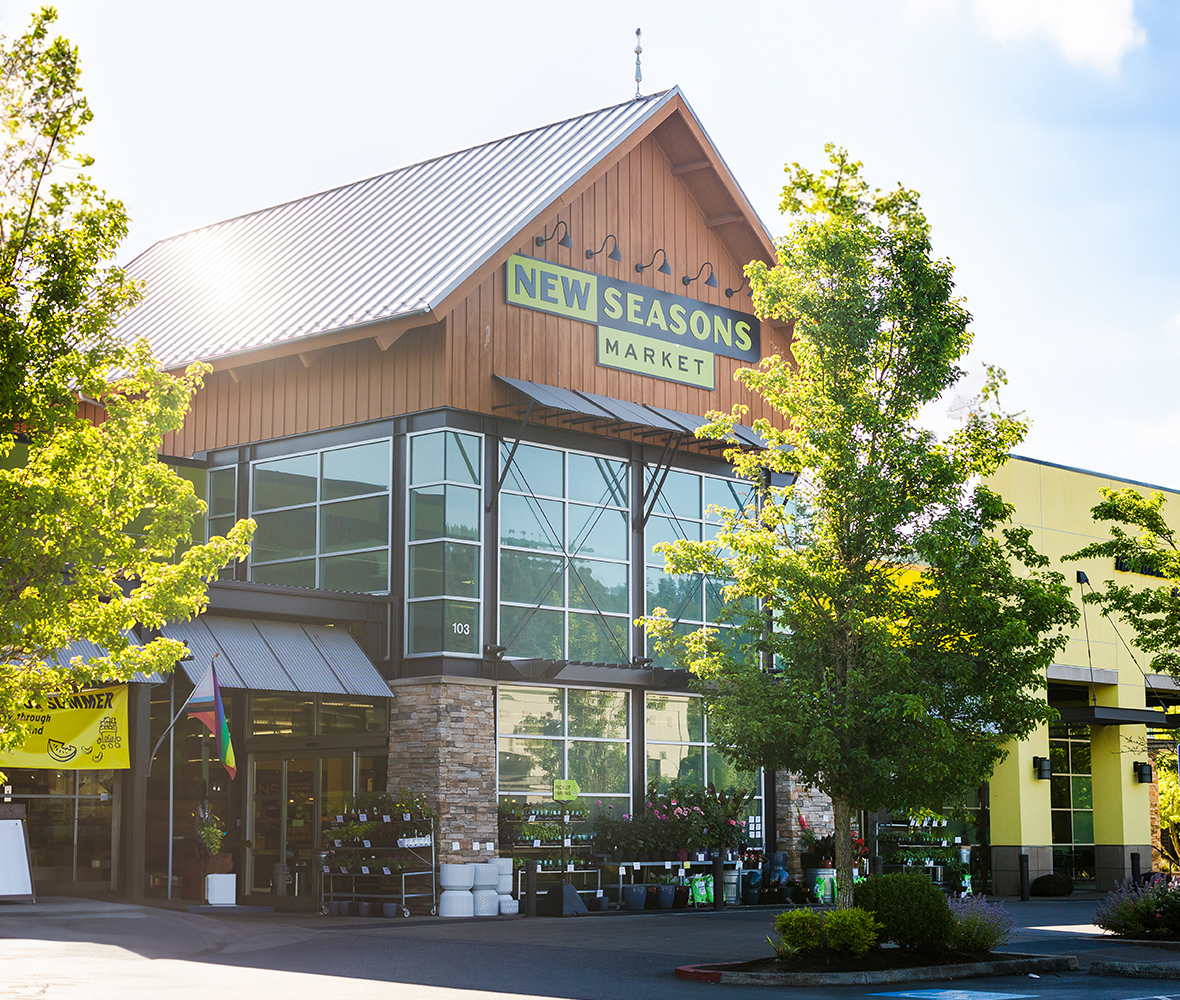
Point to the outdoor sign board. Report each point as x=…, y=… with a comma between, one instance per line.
x=640, y=329
x=75, y=732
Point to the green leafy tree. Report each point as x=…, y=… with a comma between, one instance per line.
x=95, y=532
x=905, y=623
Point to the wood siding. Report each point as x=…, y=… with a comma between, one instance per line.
x=640, y=201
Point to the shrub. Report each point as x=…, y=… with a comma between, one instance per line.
x=1151, y=910
x=853, y=931
x=912, y=910
x=1052, y=885
x=979, y=925
x=800, y=930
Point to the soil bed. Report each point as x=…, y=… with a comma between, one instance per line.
x=871, y=961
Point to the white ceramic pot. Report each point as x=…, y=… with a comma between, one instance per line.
x=486, y=902
x=509, y=906
x=504, y=884
x=456, y=903
x=503, y=865
x=484, y=875
x=455, y=876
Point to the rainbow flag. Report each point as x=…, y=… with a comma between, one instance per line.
x=205, y=704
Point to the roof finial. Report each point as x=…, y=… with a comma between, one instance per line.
x=638, y=70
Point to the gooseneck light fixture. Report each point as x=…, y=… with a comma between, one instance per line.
x=664, y=268
x=731, y=292
x=711, y=281
x=565, y=240
x=615, y=254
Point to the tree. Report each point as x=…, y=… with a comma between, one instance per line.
x=903, y=625
x=95, y=531
x=1150, y=549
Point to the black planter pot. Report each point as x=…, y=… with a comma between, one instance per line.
x=680, y=899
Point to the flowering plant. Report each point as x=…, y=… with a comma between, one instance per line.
x=209, y=828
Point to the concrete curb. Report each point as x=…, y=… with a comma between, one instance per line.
x=1012, y=966
x=1136, y=970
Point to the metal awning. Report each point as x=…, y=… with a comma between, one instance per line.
x=591, y=406
x=262, y=655
x=1104, y=715
x=89, y=650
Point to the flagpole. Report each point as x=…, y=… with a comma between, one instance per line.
x=167, y=731
x=171, y=778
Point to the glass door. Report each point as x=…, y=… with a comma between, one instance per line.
x=266, y=823
x=299, y=825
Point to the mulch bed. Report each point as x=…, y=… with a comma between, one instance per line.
x=871, y=961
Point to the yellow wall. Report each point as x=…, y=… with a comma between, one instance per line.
x=1055, y=503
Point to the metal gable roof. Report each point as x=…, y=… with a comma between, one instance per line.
x=386, y=247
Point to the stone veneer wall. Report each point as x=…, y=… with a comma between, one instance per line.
x=792, y=797
x=443, y=743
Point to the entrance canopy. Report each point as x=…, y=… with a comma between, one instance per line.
x=263, y=655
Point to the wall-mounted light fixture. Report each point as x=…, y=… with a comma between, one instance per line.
x=664, y=268
x=1082, y=578
x=1142, y=772
x=711, y=281
x=615, y=254
x=495, y=652
x=565, y=241
x=1042, y=768
x=731, y=292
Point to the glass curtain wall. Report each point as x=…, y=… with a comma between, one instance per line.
x=323, y=518
x=682, y=513
x=678, y=750
x=547, y=733
x=444, y=512
x=1071, y=799
x=564, y=556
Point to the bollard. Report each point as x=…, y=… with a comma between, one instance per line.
x=530, y=887
x=878, y=865
x=1024, y=893
x=1136, y=869
x=718, y=882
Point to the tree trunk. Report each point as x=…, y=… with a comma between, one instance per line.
x=843, y=838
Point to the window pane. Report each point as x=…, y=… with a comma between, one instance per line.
x=463, y=513
x=426, y=457
x=531, y=711
x=598, y=768
x=598, y=480
x=222, y=492
x=532, y=579
x=354, y=524
x=1083, y=827
x=289, y=574
x=444, y=568
x=667, y=660
x=599, y=532
x=726, y=777
x=361, y=573
x=1059, y=757
x=532, y=523
x=461, y=627
x=680, y=496
x=285, y=482
x=716, y=601
x=598, y=639
x=350, y=472
x=427, y=512
x=732, y=494
x=676, y=763
x=462, y=458
x=424, y=626
x=284, y=534
x=530, y=633
x=529, y=766
x=665, y=529
x=1062, y=826
x=675, y=719
x=534, y=470
x=350, y=715
x=680, y=596
x=281, y=716
x=220, y=525
x=598, y=713
x=598, y=586
x=1083, y=795
x=1059, y=791
x=1079, y=758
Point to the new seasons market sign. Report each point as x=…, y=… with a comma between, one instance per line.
x=640, y=329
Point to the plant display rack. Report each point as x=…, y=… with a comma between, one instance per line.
x=922, y=844
x=370, y=857
x=680, y=871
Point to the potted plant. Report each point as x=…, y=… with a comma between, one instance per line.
x=211, y=833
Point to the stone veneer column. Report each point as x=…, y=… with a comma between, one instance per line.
x=792, y=797
x=443, y=743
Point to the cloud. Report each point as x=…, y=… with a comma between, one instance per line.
x=1093, y=33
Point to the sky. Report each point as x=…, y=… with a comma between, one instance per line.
x=1041, y=134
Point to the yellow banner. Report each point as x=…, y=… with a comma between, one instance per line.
x=75, y=732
